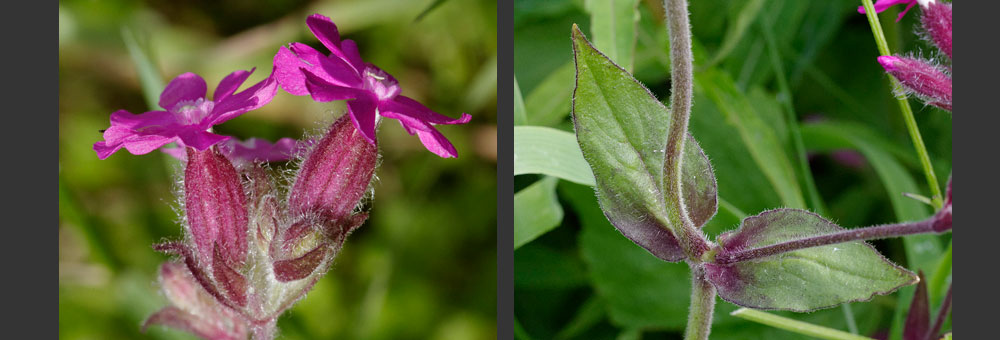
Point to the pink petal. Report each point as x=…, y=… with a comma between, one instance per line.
x=199, y=139
x=287, y=73
x=104, y=150
x=323, y=91
x=186, y=87
x=435, y=142
x=882, y=5
x=332, y=69
x=325, y=30
x=230, y=83
x=143, y=144
x=351, y=54
x=252, y=98
x=256, y=149
x=406, y=106
x=362, y=111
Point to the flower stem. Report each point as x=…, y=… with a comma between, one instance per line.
x=859, y=234
x=904, y=107
x=264, y=330
x=795, y=325
x=702, y=305
x=692, y=240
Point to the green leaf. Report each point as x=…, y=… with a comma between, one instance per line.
x=802, y=280
x=520, y=115
x=622, y=130
x=548, y=104
x=613, y=27
x=149, y=76
x=760, y=139
x=548, y=151
x=536, y=211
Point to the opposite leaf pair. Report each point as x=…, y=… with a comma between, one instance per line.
x=622, y=130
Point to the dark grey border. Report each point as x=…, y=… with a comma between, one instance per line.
x=505, y=170
x=975, y=142
x=30, y=190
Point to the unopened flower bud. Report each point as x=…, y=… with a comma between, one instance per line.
x=927, y=81
x=937, y=21
x=193, y=309
x=335, y=174
x=215, y=205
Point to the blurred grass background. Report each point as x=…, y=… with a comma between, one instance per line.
x=422, y=267
x=581, y=279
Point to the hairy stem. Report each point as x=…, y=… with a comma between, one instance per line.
x=264, y=330
x=702, y=305
x=904, y=107
x=859, y=234
x=682, y=85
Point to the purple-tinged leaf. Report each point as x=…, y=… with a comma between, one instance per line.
x=215, y=205
x=300, y=268
x=701, y=195
x=233, y=284
x=805, y=279
x=918, y=320
x=336, y=174
x=622, y=131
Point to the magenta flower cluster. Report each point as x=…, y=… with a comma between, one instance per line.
x=928, y=80
x=251, y=249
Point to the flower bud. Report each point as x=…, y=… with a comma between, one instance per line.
x=927, y=81
x=335, y=174
x=216, y=207
x=193, y=309
x=937, y=22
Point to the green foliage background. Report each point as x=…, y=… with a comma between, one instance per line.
x=576, y=277
x=422, y=267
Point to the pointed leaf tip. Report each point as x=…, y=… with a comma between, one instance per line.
x=806, y=279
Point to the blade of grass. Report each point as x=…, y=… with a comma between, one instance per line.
x=149, y=77
x=792, y=121
x=736, y=30
x=613, y=29
x=795, y=326
x=764, y=146
x=548, y=151
x=520, y=114
x=536, y=211
x=548, y=104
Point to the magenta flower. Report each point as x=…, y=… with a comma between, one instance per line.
x=882, y=5
x=189, y=116
x=249, y=151
x=342, y=75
